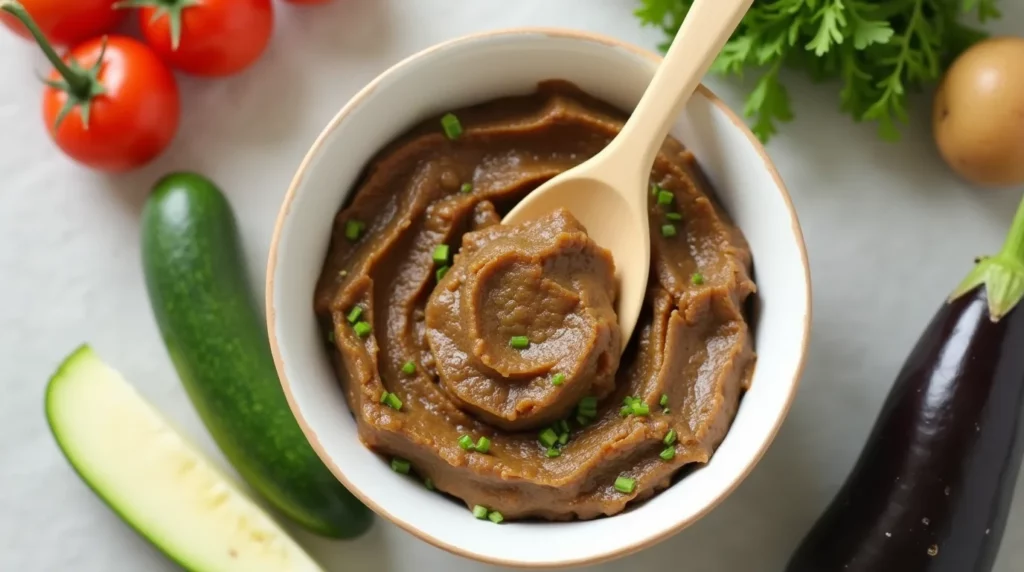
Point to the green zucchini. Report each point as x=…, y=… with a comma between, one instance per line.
x=155, y=480
x=217, y=340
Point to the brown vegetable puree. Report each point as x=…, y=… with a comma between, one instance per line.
x=519, y=336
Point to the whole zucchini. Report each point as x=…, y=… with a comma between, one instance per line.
x=217, y=339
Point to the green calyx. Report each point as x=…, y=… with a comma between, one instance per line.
x=1002, y=274
x=81, y=85
x=172, y=9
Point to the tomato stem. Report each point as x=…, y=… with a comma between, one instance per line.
x=78, y=83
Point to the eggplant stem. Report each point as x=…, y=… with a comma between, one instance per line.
x=1002, y=274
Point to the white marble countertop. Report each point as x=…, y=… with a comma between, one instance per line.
x=888, y=229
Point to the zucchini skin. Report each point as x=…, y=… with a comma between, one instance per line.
x=932, y=488
x=217, y=339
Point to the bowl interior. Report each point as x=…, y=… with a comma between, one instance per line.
x=472, y=70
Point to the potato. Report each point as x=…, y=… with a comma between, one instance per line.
x=978, y=113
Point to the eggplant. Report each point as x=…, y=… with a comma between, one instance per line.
x=932, y=488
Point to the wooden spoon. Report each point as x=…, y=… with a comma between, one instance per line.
x=609, y=192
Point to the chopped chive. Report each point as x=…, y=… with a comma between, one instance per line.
x=400, y=465
x=558, y=379
x=668, y=453
x=666, y=411
x=670, y=437
x=665, y=197
x=362, y=329
x=440, y=254
x=466, y=442
x=664, y=400
x=429, y=484
x=354, y=229
x=384, y=397
x=354, y=314
x=480, y=511
x=697, y=278
x=625, y=485
x=583, y=421
x=330, y=336
x=548, y=437
x=655, y=187
x=466, y=187
x=441, y=272
x=563, y=438
x=393, y=402
x=483, y=445
x=588, y=403
x=640, y=409
x=552, y=452
x=630, y=400
x=668, y=230
x=625, y=410
x=495, y=517
x=519, y=342
x=562, y=426
x=673, y=216
x=451, y=125
x=409, y=368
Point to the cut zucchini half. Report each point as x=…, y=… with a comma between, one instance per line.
x=155, y=480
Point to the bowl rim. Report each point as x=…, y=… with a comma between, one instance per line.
x=310, y=433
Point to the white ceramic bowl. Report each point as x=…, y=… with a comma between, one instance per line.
x=474, y=69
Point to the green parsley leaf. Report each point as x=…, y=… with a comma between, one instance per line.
x=878, y=51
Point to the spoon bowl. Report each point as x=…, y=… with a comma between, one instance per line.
x=608, y=193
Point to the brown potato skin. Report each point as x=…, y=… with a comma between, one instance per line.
x=978, y=113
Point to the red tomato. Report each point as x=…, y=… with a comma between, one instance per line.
x=307, y=2
x=218, y=37
x=68, y=22
x=132, y=121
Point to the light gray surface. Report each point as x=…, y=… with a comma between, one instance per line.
x=889, y=233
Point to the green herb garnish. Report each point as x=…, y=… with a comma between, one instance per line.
x=519, y=342
x=400, y=465
x=391, y=400
x=354, y=314
x=362, y=329
x=697, y=278
x=670, y=437
x=440, y=254
x=553, y=452
x=664, y=400
x=441, y=272
x=673, y=216
x=668, y=230
x=483, y=445
x=354, y=229
x=665, y=197
x=878, y=51
x=466, y=187
x=548, y=437
x=668, y=453
x=480, y=511
x=495, y=517
x=558, y=379
x=409, y=368
x=429, y=484
x=466, y=443
x=625, y=485
x=451, y=125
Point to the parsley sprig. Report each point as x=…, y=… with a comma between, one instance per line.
x=877, y=49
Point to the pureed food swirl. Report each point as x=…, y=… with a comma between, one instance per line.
x=483, y=359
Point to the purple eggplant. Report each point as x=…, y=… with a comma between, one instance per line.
x=932, y=488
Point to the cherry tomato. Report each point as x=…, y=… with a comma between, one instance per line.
x=68, y=22
x=131, y=121
x=217, y=37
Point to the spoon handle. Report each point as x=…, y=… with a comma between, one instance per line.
x=705, y=30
